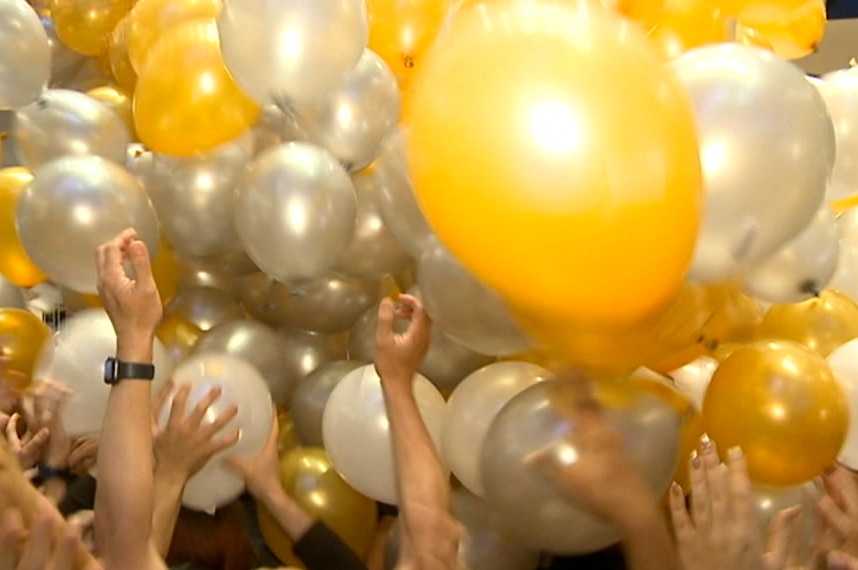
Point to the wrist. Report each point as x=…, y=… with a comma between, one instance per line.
x=169, y=475
x=642, y=515
x=135, y=348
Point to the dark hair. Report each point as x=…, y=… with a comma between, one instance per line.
x=219, y=542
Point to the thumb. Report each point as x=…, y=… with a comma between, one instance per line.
x=781, y=535
x=386, y=316
x=139, y=256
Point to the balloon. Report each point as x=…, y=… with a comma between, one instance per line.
x=92, y=74
x=150, y=19
x=235, y=263
x=373, y=251
x=352, y=120
x=198, y=274
x=304, y=352
x=310, y=47
x=72, y=206
x=311, y=396
x=840, y=91
x=845, y=277
x=165, y=270
x=75, y=356
x=802, y=267
x=464, y=308
x=540, y=415
x=524, y=212
x=287, y=440
x=117, y=54
x=256, y=344
x=401, y=31
x=357, y=435
x=769, y=501
x=396, y=199
x=25, y=64
x=309, y=478
x=194, y=197
x=845, y=368
x=68, y=123
x=15, y=264
x=822, y=324
x=686, y=24
x=473, y=406
x=10, y=295
x=241, y=386
x=295, y=211
x=22, y=335
x=178, y=337
x=737, y=92
x=65, y=63
x=117, y=100
x=185, y=100
x=204, y=307
x=328, y=305
x=792, y=29
x=84, y=25
x=693, y=379
x=782, y=405
x=274, y=127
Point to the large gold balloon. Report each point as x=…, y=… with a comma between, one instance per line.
x=790, y=28
x=308, y=476
x=15, y=264
x=583, y=191
x=178, y=336
x=186, y=100
x=686, y=24
x=22, y=335
x=151, y=18
x=781, y=404
x=166, y=271
x=84, y=25
x=117, y=100
x=821, y=324
x=117, y=54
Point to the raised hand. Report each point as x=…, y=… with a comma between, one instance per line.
x=49, y=544
x=261, y=473
x=28, y=449
x=399, y=356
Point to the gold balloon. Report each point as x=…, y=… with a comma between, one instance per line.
x=22, y=335
x=167, y=272
x=84, y=25
x=287, y=437
x=308, y=476
x=117, y=100
x=790, y=28
x=178, y=336
x=686, y=24
x=781, y=404
x=822, y=324
x=185, y=100
x=15, y=264
x=117, y=54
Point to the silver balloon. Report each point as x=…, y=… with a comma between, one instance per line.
x=311, y=395
x=72, y=206
x=89, y=76
x=274, y=127
x=840, y=91
x=204, y=307
x=230, y=262
x=194, y=197
x=769, y=501
x=801, y=268
x=304, y=352
x=25, y=58
x=295, y=211
x=352, y=120
x=764, y=178
x=373, y=251
x=11, y=295
x=468, y=311
x=63, y=123
x=194, y=274
x=329, y=305
x=529, y=506
x=256, y=344
x=309, y=47
x=138, y=160
x=397, y=201
x=65, y=62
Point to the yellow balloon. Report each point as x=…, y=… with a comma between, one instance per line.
x=151, y=18
x=287, y=437
x=781, y=404
x=22, y=335
x=178, y=336
x=644, y=12
x=309, y=478
x=687, y=24
x=166, y=271
x=117, y=100
x=185, y=100
x=85, y=25
x=822, y=324
x=117, y=54
x=581, y=190
x=15, y=264
x=790, y=28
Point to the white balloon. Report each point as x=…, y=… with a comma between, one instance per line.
x=845, y=277
x=242, y=386
x=693, y=379
x=25, y=55
x=840, y=91
x=75, y=356
x=844, y=364
x=357, y=436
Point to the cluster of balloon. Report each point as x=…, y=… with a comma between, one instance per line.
x=22, y=336
x=821, y=324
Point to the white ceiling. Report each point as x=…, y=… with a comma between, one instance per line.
x=837, y=48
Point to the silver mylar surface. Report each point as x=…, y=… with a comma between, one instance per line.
x=25, y=63
x=766, y=148
x=311, y=395
x=295, y=211
x=204, y=307
x=72, y=206
x=64, y=122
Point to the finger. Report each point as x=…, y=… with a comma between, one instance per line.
x=716, y=481
x=161, y=398
x=274, y=434
x=386, y=316
x=36, y=554
x=227, y=416
x=64, y=553
x=12, y=532
x=37, y=441
x=199, y=412
x=841, y=561
x=109, y=258
x=142, y=264
x=12, y=430
x=700, y=502
x=740, y=489
x=782, y=532
x=834, y=516
x=218, y=445
x=177, y=411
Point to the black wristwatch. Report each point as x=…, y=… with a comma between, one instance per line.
x=45, y=473
x=116, y=370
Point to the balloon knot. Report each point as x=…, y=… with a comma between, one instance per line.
x=810, y=287
x=408, y=61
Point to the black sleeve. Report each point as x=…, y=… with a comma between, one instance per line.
x=80, y=496
x=322, y=549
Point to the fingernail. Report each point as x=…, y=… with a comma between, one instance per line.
x=675, y=489
x=735, y=453
x=695, y=462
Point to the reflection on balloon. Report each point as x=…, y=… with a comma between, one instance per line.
x=204, y=307
x=26, y=63
x=72, y=206
x=23, y=334
x=15, y=264
x=84, y=25
x=781, y=404
x=821, y=324
x=311, y=396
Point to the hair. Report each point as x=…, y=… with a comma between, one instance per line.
x=219, y=542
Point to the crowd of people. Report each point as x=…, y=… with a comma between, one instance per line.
x=54, y=515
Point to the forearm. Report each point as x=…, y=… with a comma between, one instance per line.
x=294, y=520
x=55, y=490
x=165, y=511
x=646, y=541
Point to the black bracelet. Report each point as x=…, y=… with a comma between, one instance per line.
x=46, y=473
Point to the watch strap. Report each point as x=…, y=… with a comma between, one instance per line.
x=116, y=370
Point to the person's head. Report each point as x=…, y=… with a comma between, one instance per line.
x=219, y=542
